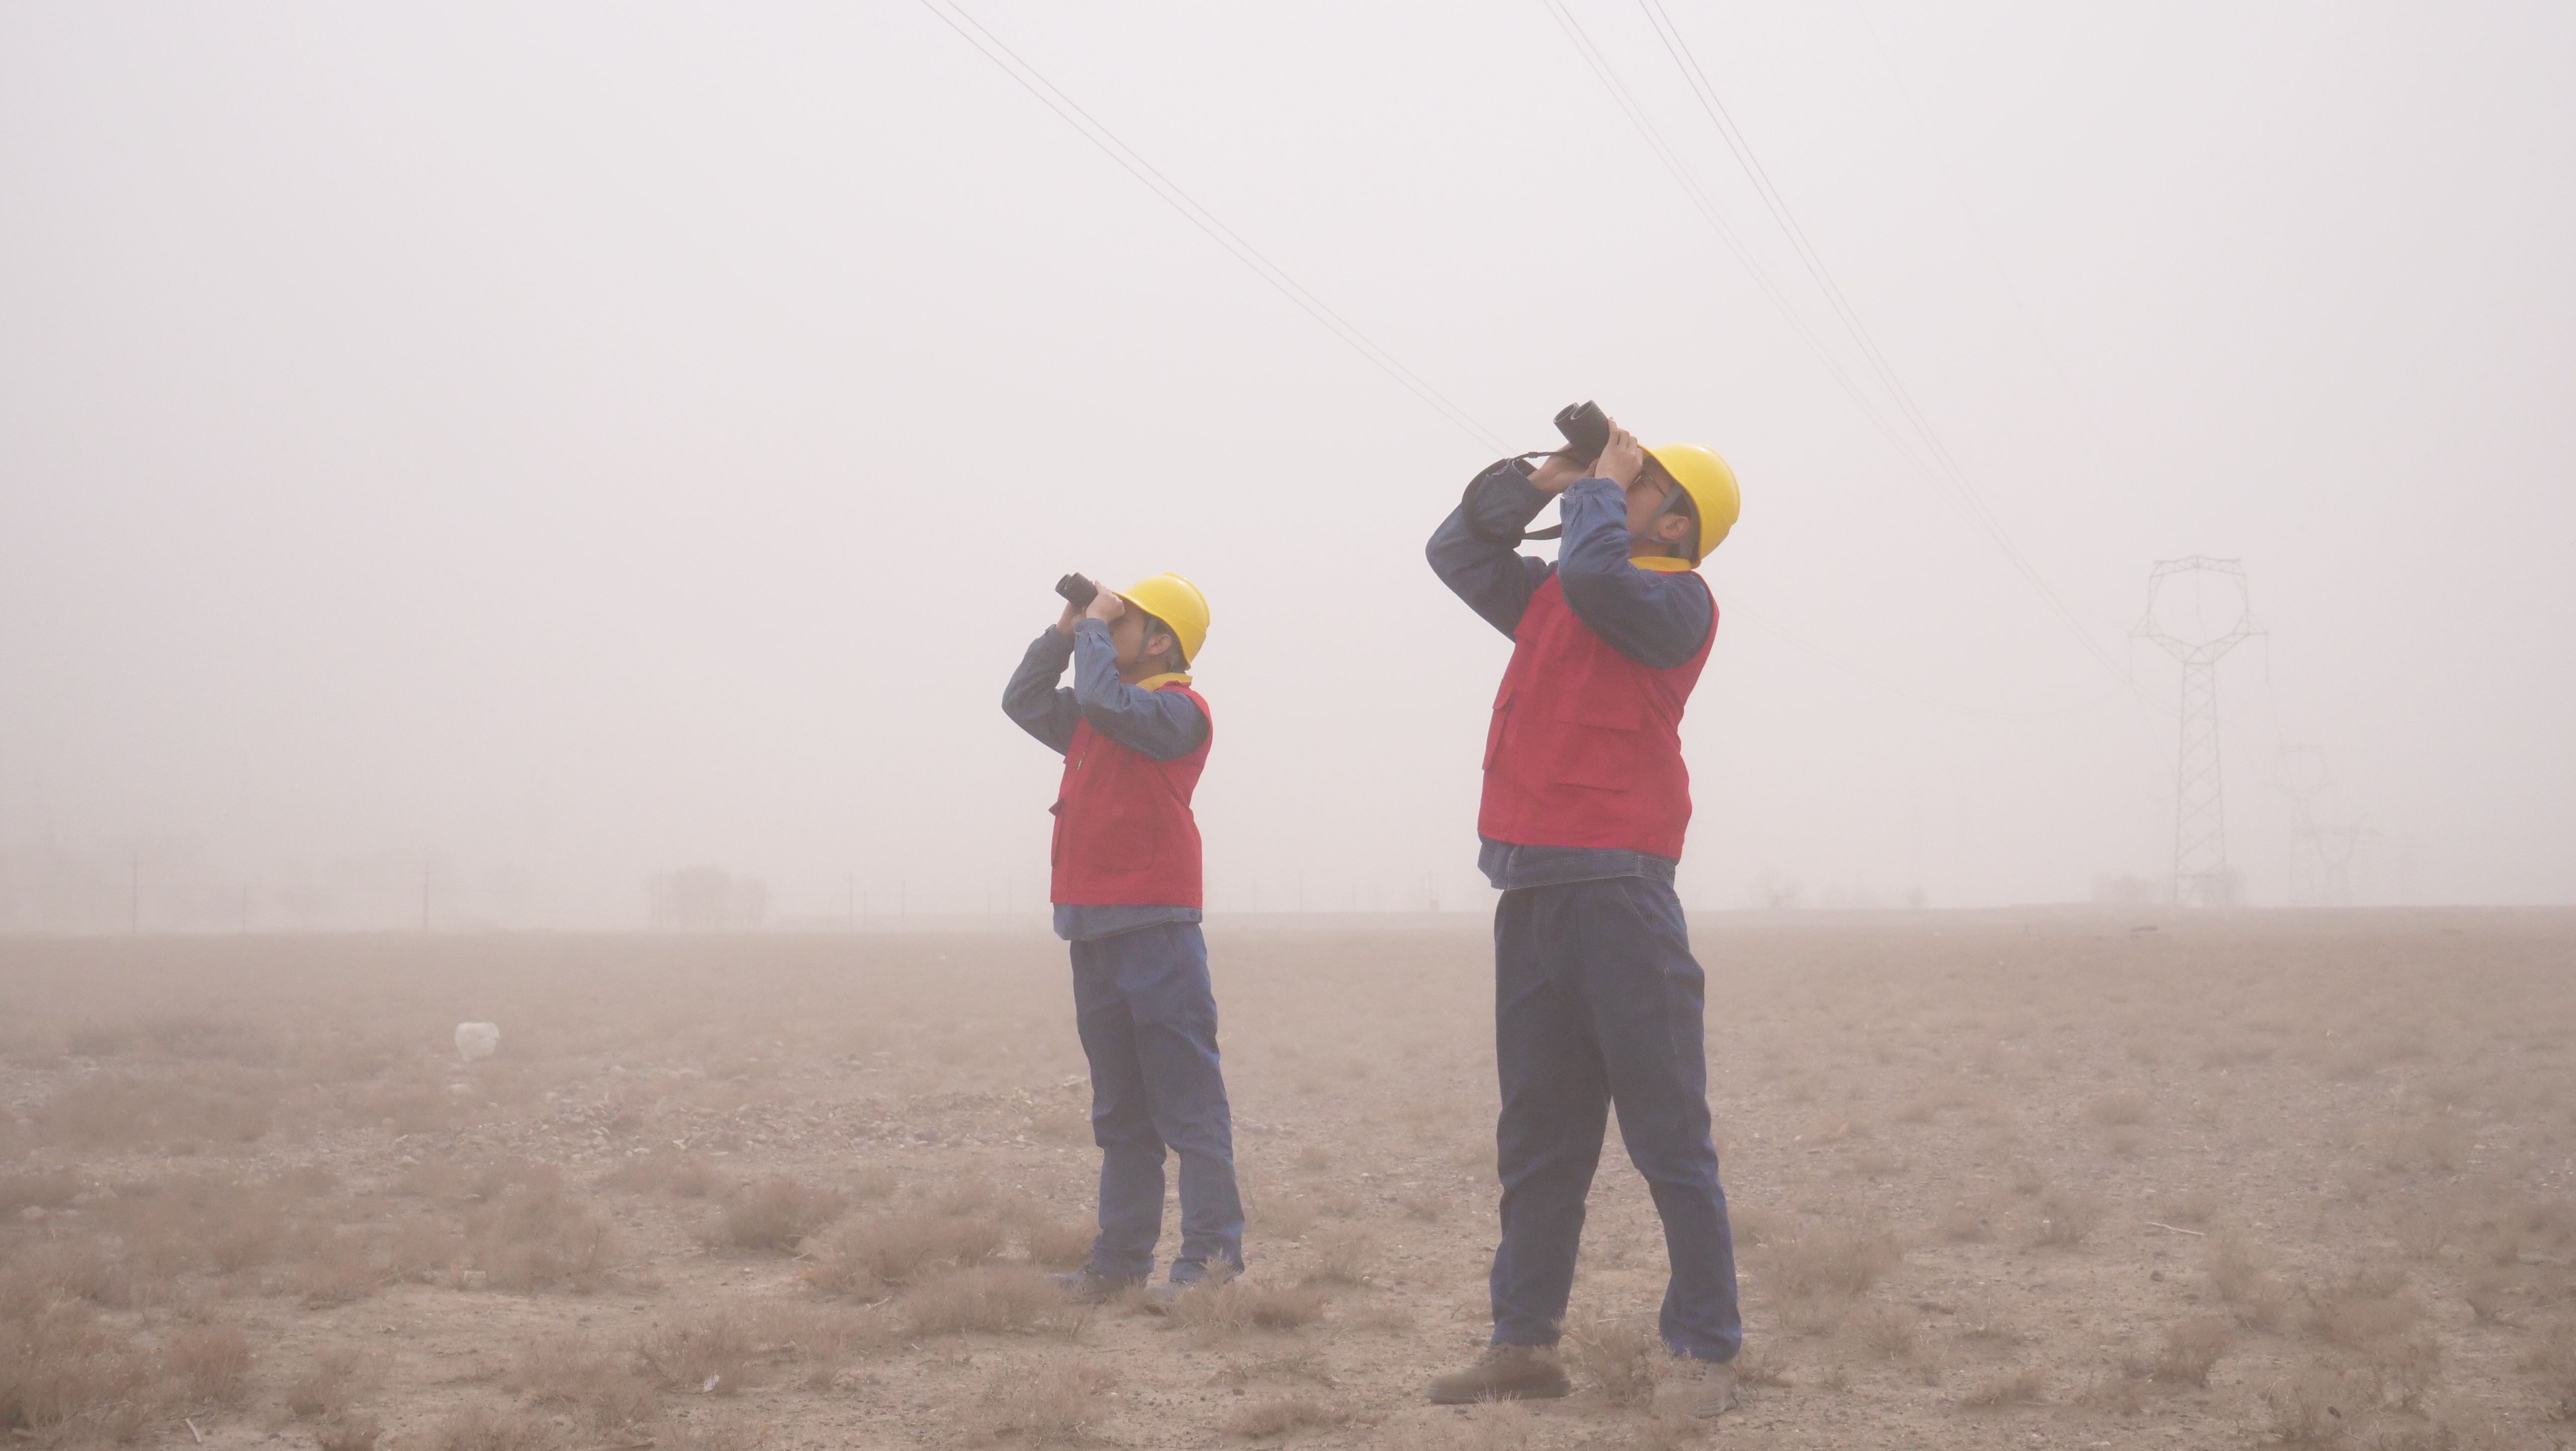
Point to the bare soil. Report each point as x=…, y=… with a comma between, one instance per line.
x=2063, y=1178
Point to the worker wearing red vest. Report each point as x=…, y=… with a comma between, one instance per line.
x=1125, y=882
x=1597, y=999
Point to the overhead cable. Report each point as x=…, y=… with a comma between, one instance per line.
x=1915, y=442
x=992, y=48
x=1653, y=136
x=1980, y=513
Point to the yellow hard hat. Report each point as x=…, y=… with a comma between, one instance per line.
x=1177, y=603
x=1711, y=486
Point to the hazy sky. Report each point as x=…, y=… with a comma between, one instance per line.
x=558, y=444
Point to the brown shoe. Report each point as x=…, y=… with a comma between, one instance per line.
x=1504, y=1373
x=1696, y=1388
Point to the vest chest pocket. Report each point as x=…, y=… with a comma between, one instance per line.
x=1605, y=710
x=1599, y=739
x=1121, y=835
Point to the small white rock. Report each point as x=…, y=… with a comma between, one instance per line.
x=477, y=1040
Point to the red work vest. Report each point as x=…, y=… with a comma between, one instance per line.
x=1124, y=835
x=1586, y=748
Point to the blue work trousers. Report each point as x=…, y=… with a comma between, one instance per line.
x=1148, y=1019
x=1597, y=1001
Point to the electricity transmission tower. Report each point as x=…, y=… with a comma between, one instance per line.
x=2321, y=855
x=2198, y=610
x=2303, y=775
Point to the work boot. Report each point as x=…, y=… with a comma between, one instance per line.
x=1504, y=1373
x=1088, y=1286
x=1693, y=1387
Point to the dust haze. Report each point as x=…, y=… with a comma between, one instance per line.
x=522, y=518
x=2072, y=1177
x=462, y=464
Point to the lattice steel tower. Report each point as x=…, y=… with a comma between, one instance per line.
x=2198, y=610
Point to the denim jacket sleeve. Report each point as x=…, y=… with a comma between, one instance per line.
x=1476, y=550
x=1033, y=699
x=1656, y=619
x=1163, y=724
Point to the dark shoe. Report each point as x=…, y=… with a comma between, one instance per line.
x=1087, y=1286
x=1504, y=1373
x=1159, y=1298
x=1700, y=1388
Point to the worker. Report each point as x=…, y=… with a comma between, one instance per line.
x=1597, y=999
x=1126, y=887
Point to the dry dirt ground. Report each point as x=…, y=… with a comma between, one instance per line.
x=2064, y=1179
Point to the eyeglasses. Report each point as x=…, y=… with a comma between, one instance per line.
x=1677, y=500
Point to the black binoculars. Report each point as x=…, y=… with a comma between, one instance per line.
x=1586, y=429
x=1078, y=592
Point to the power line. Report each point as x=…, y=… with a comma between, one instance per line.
x=2081, y=397
x=1918, y=444
x=1654, y=138
x=1714, y=108
x=992, y=48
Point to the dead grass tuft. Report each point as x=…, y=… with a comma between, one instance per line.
x=2066, y=1218
x=1832, y=1260
x=2371, y=1306
x=711, y=1355
x=338, y=1267
x=1057, y=1244
x=172, y=1113
x=2423, y=1231
x=2431, y=1145
x=680, y=1175
x=2404, y=1368
x=2114, y=1391
x=2020, y=1388
x=991, y=1300
x=2551, y=1362
x=533, y=1238
x=1279, y=1415
x=1304, y=1362
x=62, y=1374
x=778, y=1212
x=2190, y=1350
x=38, y=1189
x=571, y=1371
x=1617, y=1357
x=1343, y=1258
x=483, y=1428
x=1064, y=1400
x=2243, y=1278
x=1238, y=1305
x=2313, y=1407
x=210, y=1364
x=2489, y=1293
x=326, y=1388
x=1496, y=1426
x=1885, y=1331
x=1758, y=1368
x=863, y=1256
